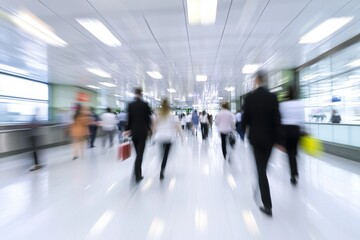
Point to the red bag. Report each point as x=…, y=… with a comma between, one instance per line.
x=124, y=151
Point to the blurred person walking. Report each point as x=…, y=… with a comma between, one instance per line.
x=34, y=139
x=183, y=121
x=261, y=115
x=238, y=126
x=93, y=126
x=195, y=120
x=79, y=131
x=204, y=122
x=139, y=125
x=292, y=118
x=165, y=128
x=225, y=124
x=188, y=122
x=108, y=123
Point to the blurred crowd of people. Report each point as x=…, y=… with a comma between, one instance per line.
x=267, y=123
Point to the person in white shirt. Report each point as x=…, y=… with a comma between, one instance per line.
x=204, y=122
x=225, y=124
x=293, y=116
x=108, y=123
x=165, y=128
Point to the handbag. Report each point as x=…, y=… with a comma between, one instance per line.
x=124, y=151
x=311, y=145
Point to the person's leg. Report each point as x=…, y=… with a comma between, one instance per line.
x=139, y=144
x=166, y=150
x=206, y=130
x=223, y=144
x=292, y=138
x=82, y=144
x=111, y=137
x=262, y=155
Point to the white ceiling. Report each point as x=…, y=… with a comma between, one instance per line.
x=156, y=36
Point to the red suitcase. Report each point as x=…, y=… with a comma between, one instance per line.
x=124, y=151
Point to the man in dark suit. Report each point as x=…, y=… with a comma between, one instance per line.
x=139, y=123
x=261, y=115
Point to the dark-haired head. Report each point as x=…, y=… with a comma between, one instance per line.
x=260, y=77
x=108, y=110
x=225, y=105
x=138, y=92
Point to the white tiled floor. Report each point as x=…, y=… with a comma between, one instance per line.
x=201, y=197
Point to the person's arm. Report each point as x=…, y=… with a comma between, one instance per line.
x=279, y=134
x=245, y=118
x=129, y=121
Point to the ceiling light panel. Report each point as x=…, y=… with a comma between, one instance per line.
x=201, y=78
x=250, y=68
x=37, y=28
x=171, y=90
x=98, y=29
x=155, y=75
x=99, y=72
x=201, y=11
x=92, y=86
x=325, y=29
x=107, y=84
x=229, y=89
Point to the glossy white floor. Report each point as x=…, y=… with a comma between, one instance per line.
x=201, y=197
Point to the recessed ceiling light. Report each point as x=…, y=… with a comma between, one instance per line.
x=220, y=98
x=117, y=95
x=229, y=89
x=155, y=74
x=11, y=69
x=325, y=29
x=171, y=90
x=201, y=11
x=250, y=68
x=107, y=84
x=98, y=29
x=37, y=28
x=92, y=86
x=201, y=78
x=99, y=72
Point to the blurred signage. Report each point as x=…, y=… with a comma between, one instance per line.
x=82, y=97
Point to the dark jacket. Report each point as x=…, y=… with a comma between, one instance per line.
x=261, y=114
x=139, y=118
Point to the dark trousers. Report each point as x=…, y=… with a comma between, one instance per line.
x=110, y=135
x=166, y=149
x=34, y=148
x=239, y=130
x=223, y=143
x=292, y=139
x=204, y=130
x=93, y=131
x=262, y=155
x=139, y=144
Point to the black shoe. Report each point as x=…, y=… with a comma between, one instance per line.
x=161, y=175
x=139, y=179
x=267, y=211
x=36, y=167
x=75, y=157
x=293, y=181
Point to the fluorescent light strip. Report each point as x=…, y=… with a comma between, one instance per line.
x=107, y=84
x=92, y=86
x=201, y=11
x=37, y=28
x=171, y=90
x=10, y=69
x=250, y=68
x=98, y=29
x=325, y=29
x=99, y=72
x=355, y=63
x=201, y=78
x=155, y=75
